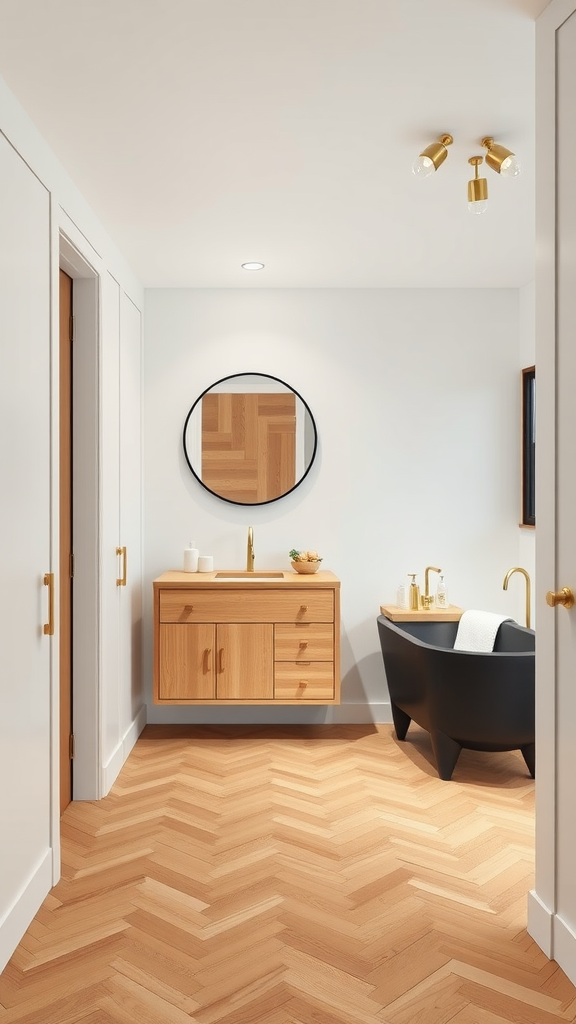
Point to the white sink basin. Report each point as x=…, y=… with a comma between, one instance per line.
x=234, y=577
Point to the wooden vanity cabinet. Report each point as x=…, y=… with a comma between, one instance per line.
x=256, y=642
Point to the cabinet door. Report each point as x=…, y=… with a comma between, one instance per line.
x=187, y=662
x=245, y=661
x=25, y=855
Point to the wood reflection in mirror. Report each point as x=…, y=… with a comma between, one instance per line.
x=249, y=445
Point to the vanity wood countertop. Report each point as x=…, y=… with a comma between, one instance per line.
x=395, y=614
x=197, y=580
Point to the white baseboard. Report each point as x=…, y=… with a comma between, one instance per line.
x=361, y=714
x=111, y=769
x=565, y=947
x=267, y=714
x=26, y=905
x=540, y=920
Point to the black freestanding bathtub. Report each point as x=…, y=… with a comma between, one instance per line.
x=481, y=701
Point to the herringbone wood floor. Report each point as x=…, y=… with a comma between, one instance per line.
x=301, y=875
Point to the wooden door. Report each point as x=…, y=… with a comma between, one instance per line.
x=245, y=661
x=25, y=553
x=552, y=904
x=65, y=631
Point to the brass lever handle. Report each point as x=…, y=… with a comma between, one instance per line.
x=564, y=596
x=49, y=582
x=122, y=581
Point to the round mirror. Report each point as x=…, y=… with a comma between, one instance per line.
x=250, y=439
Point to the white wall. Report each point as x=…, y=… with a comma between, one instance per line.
x=417, y=402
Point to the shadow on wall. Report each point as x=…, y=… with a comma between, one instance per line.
x=355, y=683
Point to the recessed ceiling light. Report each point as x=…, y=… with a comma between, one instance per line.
x=252, y=266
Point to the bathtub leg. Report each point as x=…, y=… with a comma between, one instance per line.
x=446, y=752
x=529, y=755
x=401, y=721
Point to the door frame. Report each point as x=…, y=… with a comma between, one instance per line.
x=78, y=260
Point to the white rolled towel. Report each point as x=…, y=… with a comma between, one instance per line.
x=477, y=630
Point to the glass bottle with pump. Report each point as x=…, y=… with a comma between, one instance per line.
x=441, y=594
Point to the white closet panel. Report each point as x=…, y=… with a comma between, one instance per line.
x=25, y=650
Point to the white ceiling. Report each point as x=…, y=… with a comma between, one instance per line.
x=205, y=133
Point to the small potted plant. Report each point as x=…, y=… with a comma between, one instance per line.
x=305, y=561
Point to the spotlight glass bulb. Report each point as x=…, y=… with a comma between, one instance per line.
x=510, y=168
x=423, y=167
x=479, y=206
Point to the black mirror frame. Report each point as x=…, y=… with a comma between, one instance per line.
x=528, y=447
x=268, y=376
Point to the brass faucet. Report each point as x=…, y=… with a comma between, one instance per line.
x=510, y=573
x=250, y=551
x=427, y=597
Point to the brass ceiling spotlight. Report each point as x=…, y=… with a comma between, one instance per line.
x=477, y=188
x=431, y=157
x=500, y=159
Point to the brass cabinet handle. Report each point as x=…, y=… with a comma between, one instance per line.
x=49, y=582
x=122, y=581
x=564, y=596
x=207, y=654
x=221, y=654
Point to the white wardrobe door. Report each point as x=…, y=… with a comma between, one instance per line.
x=24, y=529
x=131, y=509
x=110, y=533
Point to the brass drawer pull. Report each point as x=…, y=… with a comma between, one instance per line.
x=49, y=582
x=303, y=644
x=207, y=662
x=122, y=581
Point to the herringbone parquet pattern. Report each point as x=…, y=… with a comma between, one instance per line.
x=301, y=875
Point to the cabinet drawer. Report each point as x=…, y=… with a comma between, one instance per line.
x=312, y=681
x=237, y=606
x=304, y=641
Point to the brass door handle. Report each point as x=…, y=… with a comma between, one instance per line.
x=122, y=581
x=564, y=596
x=221, y=658
x=49, y=582
x=207, y=659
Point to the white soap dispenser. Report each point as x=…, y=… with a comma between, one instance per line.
x=191, y=558
x=441, y=594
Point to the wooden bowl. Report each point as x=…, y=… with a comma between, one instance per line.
x=306, y=567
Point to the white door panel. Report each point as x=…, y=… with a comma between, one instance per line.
x=130, y=509
x=566, y=476
x=110, y=517
x=552, y=904
x=24, y=526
